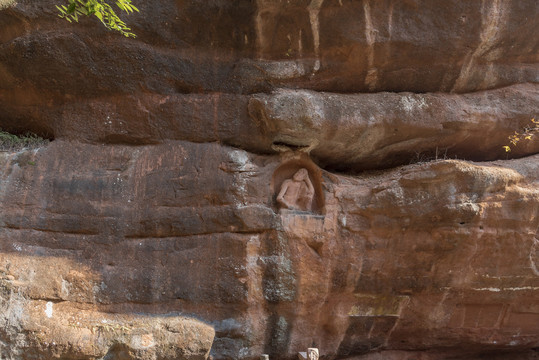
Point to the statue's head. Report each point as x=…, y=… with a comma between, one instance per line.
x=301, y=174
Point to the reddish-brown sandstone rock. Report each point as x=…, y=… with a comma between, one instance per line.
x=365, y=131
x=249, y=46
x=149, y=228
x=125, y=90
x=425, y=256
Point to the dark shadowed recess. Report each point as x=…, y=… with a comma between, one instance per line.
x=27, y=128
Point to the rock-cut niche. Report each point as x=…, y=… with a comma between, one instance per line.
x=297, y=187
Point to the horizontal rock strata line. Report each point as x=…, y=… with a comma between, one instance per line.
x=342, y=132
x=387, y=129
x=256, y=46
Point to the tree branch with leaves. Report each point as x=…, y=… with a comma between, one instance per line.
x=100, y=9
x=527, y=133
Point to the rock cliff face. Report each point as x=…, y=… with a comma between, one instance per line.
x=150, y=226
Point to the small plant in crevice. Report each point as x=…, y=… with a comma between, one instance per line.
x=528, y=133
x=428, y=156
x=12, y=142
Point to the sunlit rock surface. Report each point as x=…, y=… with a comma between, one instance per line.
x=149, y=227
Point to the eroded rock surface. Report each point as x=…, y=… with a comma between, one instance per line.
x=80, y=81
x=369, y=131
x=150, y=228
x=424, y=256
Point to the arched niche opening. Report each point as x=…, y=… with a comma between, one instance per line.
x=284, y=176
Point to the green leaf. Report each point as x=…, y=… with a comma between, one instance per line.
x=71, y=8
x=102, y=10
